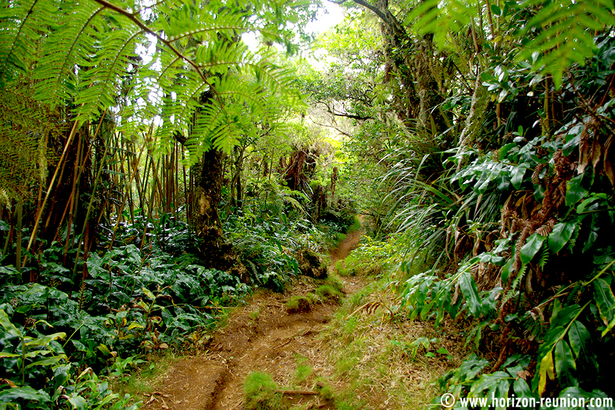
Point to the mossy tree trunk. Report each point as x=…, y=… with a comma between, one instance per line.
x=411, y=68
x=214, y=250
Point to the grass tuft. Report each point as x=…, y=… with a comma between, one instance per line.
x=328, y=292
x=299, y=303
x=261, y=393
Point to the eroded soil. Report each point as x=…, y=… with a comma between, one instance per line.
x=261, y=336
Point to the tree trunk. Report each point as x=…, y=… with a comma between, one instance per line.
x=214, y=249
x=412, y=60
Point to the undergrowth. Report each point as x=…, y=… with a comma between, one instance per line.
x=87, y=326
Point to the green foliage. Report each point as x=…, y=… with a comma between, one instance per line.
x=131, y=302
x=300, y=303
x=469, y=379
x=28, y=349
x=337, y=224
x=328, y=292
x=568, y=350
x=266, y=244
x=83, y=58
x=372, y=257
x=304, y=370
x=125, y=301
x=550, y=51
x=24, y=143
x=261, y=392
x=550, y=35
x=524, y=230
x=45, y=373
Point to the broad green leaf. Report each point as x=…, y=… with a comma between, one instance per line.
x=561, y=234
x=489, y=382
x=7, y=325
x=78, y=402
x=579, y=337
x=490, y=258
x=425, y=311
x=605, y=300
x=564, y=360
x=578, y=393
x=564, y=317
x=593, y=235
x=143, y=305
x=103, y=348
x=608, y=328
x=505, y=149
x=7, y=354
x=593, y=203
x=517, y=175
x=521, y=388
x=575, y=191
x=25, y=393
x=47, y=361
x=148, y=293
x=531, y=247
x=43, y=322
x=442, y=350
x=35, y=353
x=546, y=370
x=134, y=325
x=470, y=293
x=45, y=340
x=506, y=270
x=553, y=335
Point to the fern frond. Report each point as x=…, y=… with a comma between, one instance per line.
x=19, y=22
x=203, y=24
x=564, y=33
x=442, y=18
x=25, y=126
x=67, y=48
x=103, y=78
x=81, y=56
x=544, y=257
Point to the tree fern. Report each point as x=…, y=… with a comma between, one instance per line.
x=82, y=57
x=442, y=18
x=563, y=33
x=25, y=126
x=19, y=22
x=558, y=34
x=66, y=49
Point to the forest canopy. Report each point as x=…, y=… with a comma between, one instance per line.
x=155, y=168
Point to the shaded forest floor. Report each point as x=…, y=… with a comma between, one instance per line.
x=318, y=354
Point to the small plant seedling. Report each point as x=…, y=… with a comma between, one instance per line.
x=304, y=370
x=256, y=314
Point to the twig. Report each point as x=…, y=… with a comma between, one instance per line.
x=299, y=333
x=301, y=392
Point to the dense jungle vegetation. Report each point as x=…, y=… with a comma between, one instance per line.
x=155, y=169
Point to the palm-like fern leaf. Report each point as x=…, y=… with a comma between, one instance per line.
x=83, y=55
x=25, y=127
x=564, y=33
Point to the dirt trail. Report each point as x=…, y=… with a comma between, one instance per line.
x=261, y=336
x=346, y=246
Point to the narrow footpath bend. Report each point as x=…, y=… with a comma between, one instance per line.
x=261, y=336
